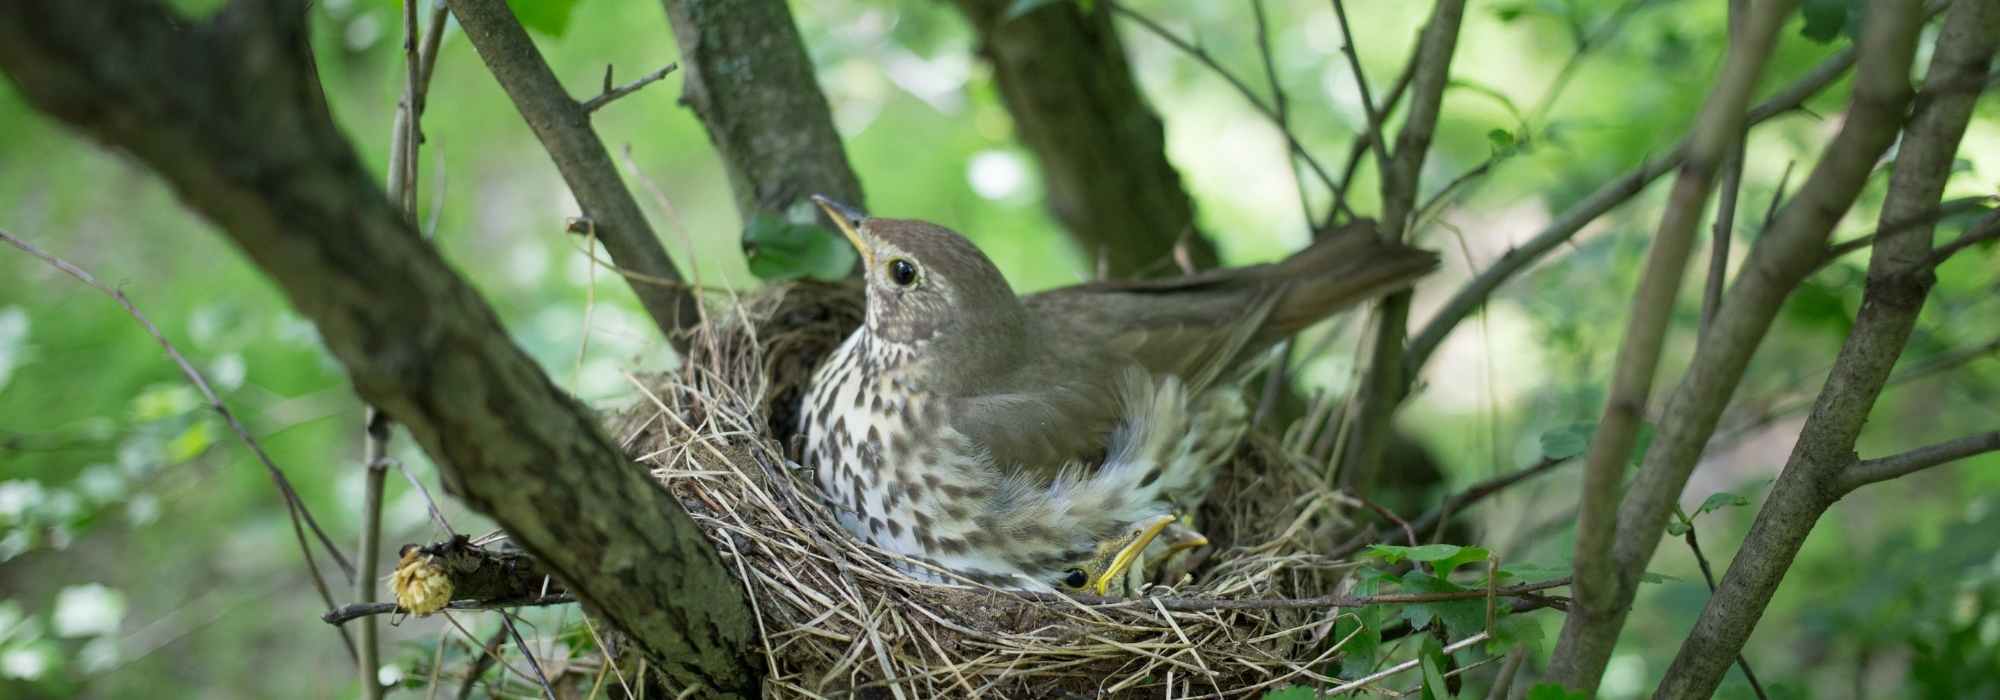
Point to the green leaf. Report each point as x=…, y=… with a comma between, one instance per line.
x=549, y=17
x=1468, y=555
x=1460, y=617
x=780, y=250
x=1357, y=655
x=191, y=442
x=1718, y=501
x=1516, y=630
x=1502, y=141
x=1508, y=12
x=1824, y=19
x=1424, y=553
x=1555, y=691
x=1434, y=685
x=1567, y=441
x=1021, y=8
x=1677, y=527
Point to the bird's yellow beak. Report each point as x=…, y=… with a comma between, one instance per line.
x=846, y=218
x=1147, y=530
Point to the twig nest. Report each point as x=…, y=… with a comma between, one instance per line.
x=839, y=617
x=420, y=582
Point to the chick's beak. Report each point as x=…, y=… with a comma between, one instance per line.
x=1146, y=531
x=848, y=219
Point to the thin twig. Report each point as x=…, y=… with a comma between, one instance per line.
x=1987, y=229
x=293, y=503
x=1282, y=104
x=345, y=613
x=1708, y=574
x=482, y=663
x=1374, y=118
x=1474, y=294
x=533, y=665
x=1885, y=468
x=613, y=93
x=1991, y=228
x=375, y=460
x=1202, y=56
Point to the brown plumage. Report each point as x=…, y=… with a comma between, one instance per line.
x=1014, y=438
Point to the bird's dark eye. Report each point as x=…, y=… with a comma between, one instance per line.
x=1075, y=578
x=902, y=272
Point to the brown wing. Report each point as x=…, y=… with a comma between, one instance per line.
x=1060, y=404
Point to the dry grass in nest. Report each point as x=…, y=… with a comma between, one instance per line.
x=837, y=617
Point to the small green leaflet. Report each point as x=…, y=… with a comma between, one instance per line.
x=1567, y=441
x=1826, y=20
x=781, y=250
x=1718, y=501
x=1443, y=557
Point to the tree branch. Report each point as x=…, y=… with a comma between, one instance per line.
x=198, y=102
x=1387, y=381
x=1064, y=78
x=747, y=77
x=1870, y=471
x=612, y=93
x=1898, y=283
x=1592, y=626
x=301, y=516
x=1782, y=257
x=1473, y=295
x=563, y=126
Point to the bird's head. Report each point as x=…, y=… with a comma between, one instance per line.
x=1113, y=564
x=928, y=285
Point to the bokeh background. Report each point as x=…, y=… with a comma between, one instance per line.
x=144, y=552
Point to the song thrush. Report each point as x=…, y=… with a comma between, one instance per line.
x=1047, y=442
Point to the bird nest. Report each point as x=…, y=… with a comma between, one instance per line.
x=838, y=617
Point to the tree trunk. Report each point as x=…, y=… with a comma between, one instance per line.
x=1063, y=75
x=747, y=76
x=230, y=112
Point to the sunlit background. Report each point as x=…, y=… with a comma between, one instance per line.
x=142, y=550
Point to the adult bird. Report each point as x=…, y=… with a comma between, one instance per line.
x=1048, y=442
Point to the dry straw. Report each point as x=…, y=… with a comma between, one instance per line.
x=839, y=618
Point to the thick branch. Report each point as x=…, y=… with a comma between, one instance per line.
x=1818, y=471
x=563, y=126
x=1064, y=78
x=747, y=76
x=1592, y=627
x=198, y=102
x=1387, y=382
x=1782, y=257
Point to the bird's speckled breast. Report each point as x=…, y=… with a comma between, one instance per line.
x=891, y=466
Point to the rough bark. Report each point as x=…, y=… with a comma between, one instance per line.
x=1779, y=260
x=1899, y=279
x=229, y=111
x=746, y=75
x=1388, y=382
x=1063, y=75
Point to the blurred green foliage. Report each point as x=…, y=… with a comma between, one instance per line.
x=142, y=552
